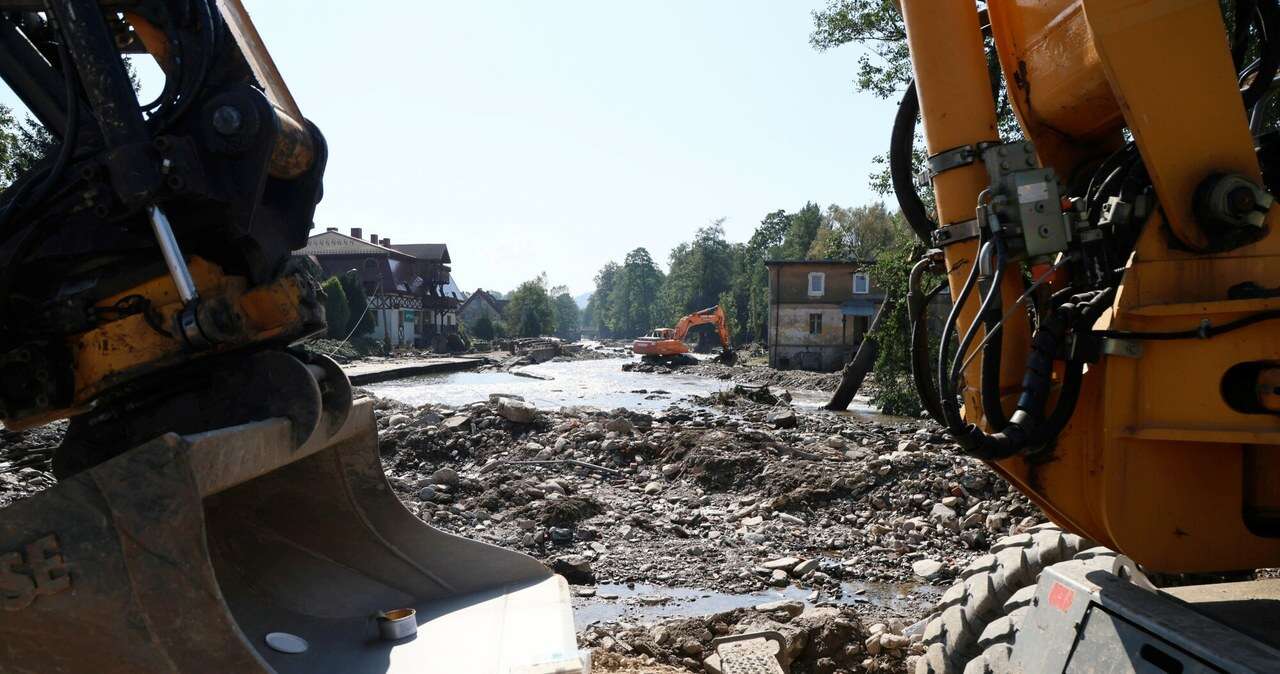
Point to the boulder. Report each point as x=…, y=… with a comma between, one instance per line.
x=927, y=569
x=515, y=411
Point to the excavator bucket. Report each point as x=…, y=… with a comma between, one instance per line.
x=237, y=550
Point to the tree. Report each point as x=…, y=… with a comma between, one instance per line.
x=802, y=228
x=483, y=328
x=598, y=307
x=529, y=311
x=701, y=271
x=895, y=393
x=633, y=300
x=336, y=308
x=360, y=319
x=566, y=316
x=858, y=233
x=765, y=244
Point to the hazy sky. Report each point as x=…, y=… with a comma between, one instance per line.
x=554, y=136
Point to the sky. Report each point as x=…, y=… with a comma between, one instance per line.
x=555, y=136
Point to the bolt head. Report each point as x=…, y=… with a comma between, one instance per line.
x=1241, y=200
x=227, y=120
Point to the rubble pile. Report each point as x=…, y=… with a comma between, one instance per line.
x=757, y=375
x=24, y=460
x=819, y=640
x=736, y=502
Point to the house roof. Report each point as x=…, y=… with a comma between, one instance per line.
x=337, y=243
x=481, y=295
x=431, y=252
x=851, y=263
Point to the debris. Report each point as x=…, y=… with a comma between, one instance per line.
x=927, y=568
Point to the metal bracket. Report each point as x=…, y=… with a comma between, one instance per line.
x=955, y=233
x=1124, y=348
x=956, y=157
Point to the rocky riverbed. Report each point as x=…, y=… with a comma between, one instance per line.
x=716, y=516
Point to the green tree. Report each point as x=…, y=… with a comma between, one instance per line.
x=633, y=300
x=858, y=233
x=566, y=316
x=529, y=312
x=802, y=229
x=599, y=308
x=483, y=328
x=765, y=244
x=337, y=311
x=360, y=318
x=894, y=392
x=700, y=271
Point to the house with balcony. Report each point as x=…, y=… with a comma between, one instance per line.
x=410, y=287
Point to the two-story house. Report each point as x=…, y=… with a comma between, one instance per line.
x=819, y=311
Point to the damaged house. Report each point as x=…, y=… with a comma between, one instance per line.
x=410, y=288
x=819, y=312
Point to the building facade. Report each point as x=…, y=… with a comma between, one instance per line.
x=481, y=304
x=819, y=312
x=412, y=299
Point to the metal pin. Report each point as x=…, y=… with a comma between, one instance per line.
x=172, y=255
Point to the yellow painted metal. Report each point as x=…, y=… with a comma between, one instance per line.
x=957, y=108
x=125, y=349
x=1154, y=462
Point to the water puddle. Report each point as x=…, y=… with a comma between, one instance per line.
x=654, y=603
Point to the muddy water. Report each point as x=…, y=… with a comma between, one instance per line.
x=653, y=603
x=592, y=383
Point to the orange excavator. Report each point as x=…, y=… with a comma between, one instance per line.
x=667, y=344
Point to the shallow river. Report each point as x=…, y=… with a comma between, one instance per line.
x=592, y=383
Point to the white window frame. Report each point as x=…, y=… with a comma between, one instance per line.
x=866, y=283
x=821, y=278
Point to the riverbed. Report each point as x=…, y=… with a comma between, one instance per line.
x=599, y=384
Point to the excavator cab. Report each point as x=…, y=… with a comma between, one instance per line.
x=221, y=504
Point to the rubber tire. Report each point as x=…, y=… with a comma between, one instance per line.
x=979, y=597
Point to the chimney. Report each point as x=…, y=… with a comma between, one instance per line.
x=357, y=233
x=330, y=229
x=385, y=241
x=373, y=238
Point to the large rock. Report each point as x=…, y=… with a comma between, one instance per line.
x=783, y=418
x=447, y=476
x=784, y=563
x=791, y=607
x=516, y=411
x=927, y=569
x=456, y=422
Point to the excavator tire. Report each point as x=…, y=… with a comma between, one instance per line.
x=987, y=591
x=999, y=637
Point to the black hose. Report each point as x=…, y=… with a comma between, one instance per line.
x=946, y=394
x=1245, y=11
x=918, y=312
x=993, y=291
x=1268, y=20
x=901, y=147
x=991, y=357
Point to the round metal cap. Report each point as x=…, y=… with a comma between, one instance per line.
x=287, y=643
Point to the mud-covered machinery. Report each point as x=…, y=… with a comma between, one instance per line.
x=221, y=505
x=1114, y=343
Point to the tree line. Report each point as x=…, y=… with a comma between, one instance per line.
x=636, y=296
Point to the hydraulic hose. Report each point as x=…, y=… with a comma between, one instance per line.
x=946, y=395
x=918, y=303
x=901, y=145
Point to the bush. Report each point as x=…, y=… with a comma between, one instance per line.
x=337, y=311
x=357, y=304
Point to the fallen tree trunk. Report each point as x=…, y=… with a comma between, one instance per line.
x=860, y=365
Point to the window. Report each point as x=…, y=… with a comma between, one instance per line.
x=815, y=324
x=817, y=283
x=861, y=284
